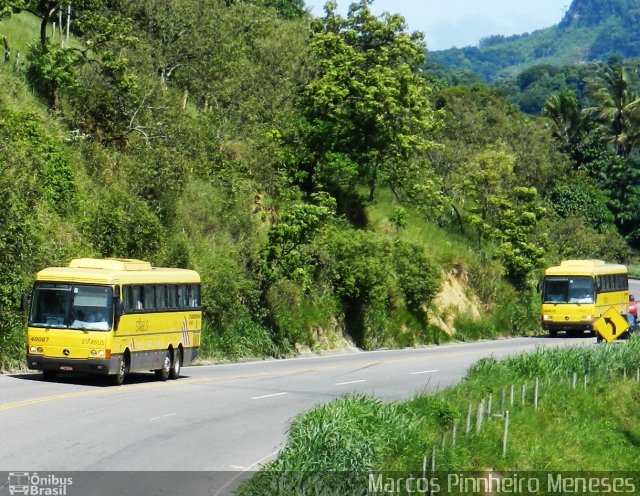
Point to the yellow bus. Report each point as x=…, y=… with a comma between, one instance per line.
x=112, y=317
x=577, y=292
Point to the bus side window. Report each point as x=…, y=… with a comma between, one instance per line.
x=194, y=296
x=127, y=298
x=172, y=299
x=138, y=297
x=183, y=298
x=161, y=297
x=149, y=297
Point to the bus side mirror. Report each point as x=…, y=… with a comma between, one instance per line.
x=25, y=302
x=539, y=287
x=119, y=312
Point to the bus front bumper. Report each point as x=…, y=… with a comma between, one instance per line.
x=89, y=366
x=567, y=326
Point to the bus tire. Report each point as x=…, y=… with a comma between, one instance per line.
x=49, y=375
x=163, y=373
x=118, y=379
x=174, y=373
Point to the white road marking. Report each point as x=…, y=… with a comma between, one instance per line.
x=162, y=416
x=350, y=382
x=268, y=396
x=423, y=372
x=244, y=470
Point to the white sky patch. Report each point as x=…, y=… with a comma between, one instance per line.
x=464, y=22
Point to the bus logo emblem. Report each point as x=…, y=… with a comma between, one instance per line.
x=18, y=483
x=66, y=352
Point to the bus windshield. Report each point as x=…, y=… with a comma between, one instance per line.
x=568, y=290
x=72, y=306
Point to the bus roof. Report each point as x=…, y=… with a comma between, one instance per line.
x=116, y=271
x=585, y=268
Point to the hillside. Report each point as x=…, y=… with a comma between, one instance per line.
x=321, y=185
x=590, y=30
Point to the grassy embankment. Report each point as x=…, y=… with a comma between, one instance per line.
x=587, y=426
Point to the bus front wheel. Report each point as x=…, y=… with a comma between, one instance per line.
x=163, y=373
x=118, y=379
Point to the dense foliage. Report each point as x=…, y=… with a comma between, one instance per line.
x=323, y=184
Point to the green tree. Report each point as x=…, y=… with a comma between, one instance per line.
x=569, y=124
x=366, y=111
x=581, y=200
x=616, y=106
x=287, y=9
x=285, y=255
x=521, y=247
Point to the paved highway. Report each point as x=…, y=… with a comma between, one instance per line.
x=215, y=418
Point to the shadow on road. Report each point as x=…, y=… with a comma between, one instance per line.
x=91, y=380
x=566, y=335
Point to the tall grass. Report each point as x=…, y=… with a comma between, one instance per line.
x=20, y=30
x=333, y=447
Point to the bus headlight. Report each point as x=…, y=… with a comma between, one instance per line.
x=36, y=349
x=94, y=353
x=546, y=317
x=101, y=354
x=588, y=318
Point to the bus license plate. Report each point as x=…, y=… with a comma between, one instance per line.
x=66, y=368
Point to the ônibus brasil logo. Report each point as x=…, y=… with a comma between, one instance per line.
x=38, y=485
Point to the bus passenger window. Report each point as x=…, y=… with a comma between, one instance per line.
x=194, y=296
x=149, y=297
x=127, y=299
x=183, y=298
x=172, y=298
x=138, y=297
x=161, y=297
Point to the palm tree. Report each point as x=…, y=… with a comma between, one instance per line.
x=616, y=107
x=565, y=112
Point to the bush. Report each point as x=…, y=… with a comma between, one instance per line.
x=120, y=225
x=243, y=338
x=294, y=313
x=419, y=277
x=46, y=159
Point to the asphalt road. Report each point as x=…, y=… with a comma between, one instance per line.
x=634, y=287
x=215, y=418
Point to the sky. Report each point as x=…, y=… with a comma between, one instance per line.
x=448, y=23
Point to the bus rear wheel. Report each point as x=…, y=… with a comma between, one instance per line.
x=176, y=365
x=163, y=373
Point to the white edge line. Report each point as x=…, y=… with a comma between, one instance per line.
x=268, y=396
x=423, y=372
x=246, y=469
x=162, y=416
x=357, y=353
x=350, y=382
